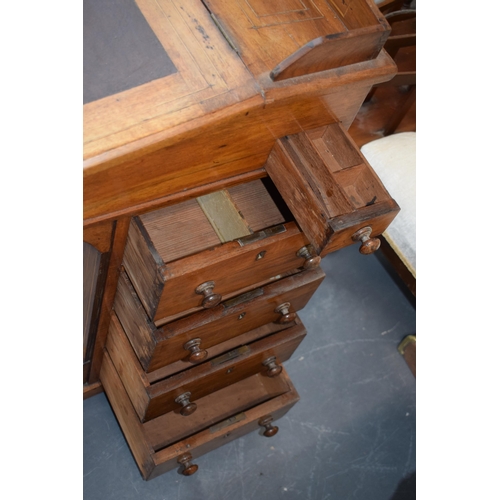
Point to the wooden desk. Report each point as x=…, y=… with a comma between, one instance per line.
x=207, y=97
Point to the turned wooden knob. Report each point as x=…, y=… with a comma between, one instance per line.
x=188, y=469
x=188, y=408
x=286, y=315
x=197, y=354
x=271, y=430
x=312, y=260
x=207, y=289
x=273, y=369
x=368, y=245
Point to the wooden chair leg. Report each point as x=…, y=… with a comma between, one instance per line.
x=398, y=116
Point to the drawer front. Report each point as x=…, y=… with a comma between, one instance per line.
x=331, y=189
x=154, y=398
x=188, y=338
x=161, y=444
x=166, y=290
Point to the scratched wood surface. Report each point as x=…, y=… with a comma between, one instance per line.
x=329, y=187
x=213, y=118
x=144, y=438
x=151, y=400
x=158, y=347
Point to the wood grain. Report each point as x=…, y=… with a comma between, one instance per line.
x=129, y=422
x=329, y=199
x=158, y=347
x=256, y=205
x=91, y=268
x=203, y=379
x=332, y=51
x=143, y=437
x=100, y=236
x=115, y=260
x=215, y=408
x=179, y=230
x=223, y=144
x=166, y=289
x=210, y=439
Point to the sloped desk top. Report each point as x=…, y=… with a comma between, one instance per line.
x=204, y=106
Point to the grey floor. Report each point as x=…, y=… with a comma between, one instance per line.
x=352, y=434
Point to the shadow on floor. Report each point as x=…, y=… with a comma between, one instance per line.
x=407, y=488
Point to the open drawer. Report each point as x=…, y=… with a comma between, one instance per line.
x=188, y=338
x=334, y=194
x=321, y=195
x=190, y=256
x=170, y=441
x=180, y=392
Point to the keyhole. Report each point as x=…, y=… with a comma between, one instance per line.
x=260, y=255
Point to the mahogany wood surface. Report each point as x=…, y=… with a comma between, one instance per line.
x=100, y=236
x=391, y=106
x=329, y=187
x=224, y=144
x=214, y=408
x=374, y=115
x=97, y=242
x=157, y=347
x=399, y=266
x=92, y=389
x=153, y=463
x=210, y=125
x=153, y=400
x=297, y=30
x=166, y=289
x=115, y=260
x=91, y=267
x=331, y=51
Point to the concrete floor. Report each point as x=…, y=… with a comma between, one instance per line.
x=352, y=434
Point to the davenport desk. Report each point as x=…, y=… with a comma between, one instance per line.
x=217, y=173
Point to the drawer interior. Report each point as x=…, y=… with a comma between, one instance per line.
x=208, y=221
x=214, y=409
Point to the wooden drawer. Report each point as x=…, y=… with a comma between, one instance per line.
x=161, y=444
x=188, y=338
x=172, y=252
x=334, y=194
x=152, y=397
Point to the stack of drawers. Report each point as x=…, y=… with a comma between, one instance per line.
x=205, y=311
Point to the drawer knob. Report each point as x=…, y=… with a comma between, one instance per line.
x=188, y=468
x=286, y=315
x=188, y=408
x=312, y=260
x=368, y=245
x=207, y=289
x=273, y=369
x=197, y=354
x=271, y=430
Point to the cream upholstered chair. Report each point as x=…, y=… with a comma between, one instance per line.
x=394, y=160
